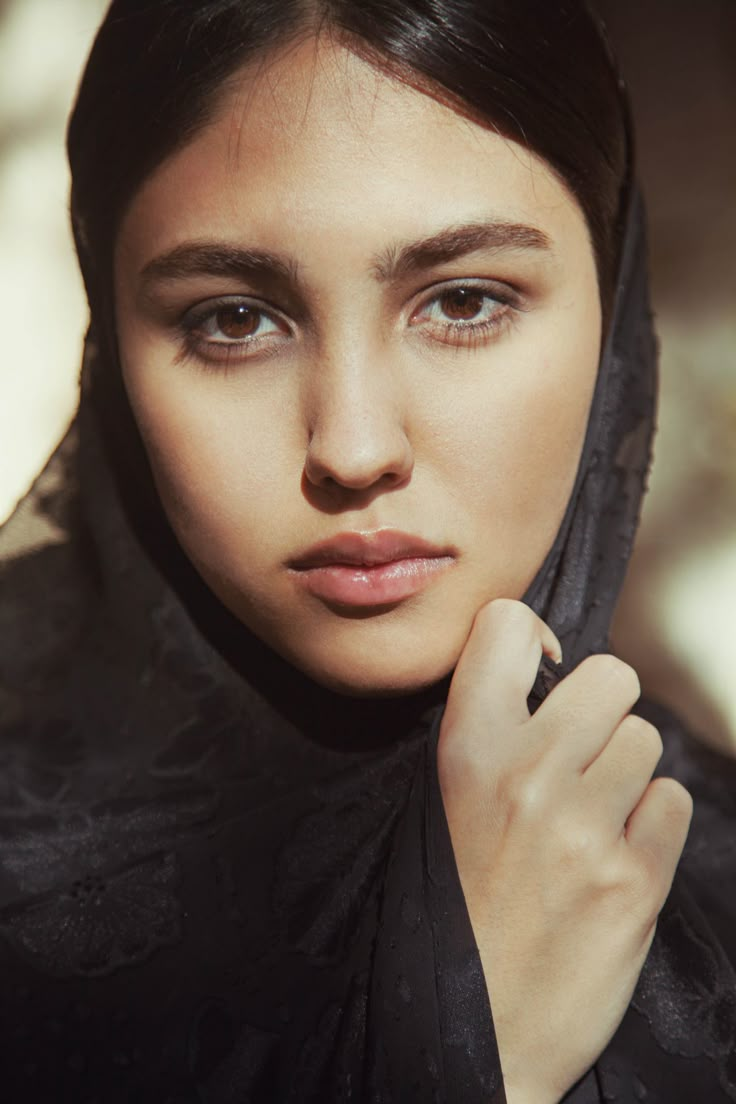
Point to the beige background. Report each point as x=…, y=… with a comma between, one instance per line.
x=677, y=619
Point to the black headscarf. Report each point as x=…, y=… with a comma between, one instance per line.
x=222, y=883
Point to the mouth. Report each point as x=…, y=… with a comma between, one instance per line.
x=360, y=570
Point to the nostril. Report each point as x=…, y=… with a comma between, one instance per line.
x=357, y=461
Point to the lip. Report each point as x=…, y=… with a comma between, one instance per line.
x=370, y=569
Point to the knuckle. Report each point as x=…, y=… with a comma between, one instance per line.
x=459, y=759
x=638, y=884
x=558, y=722
x=596, y=666
x=654, y=859
x=505, y=615
x=641, y=890
x=521, y=793
x=644, y=735
x=676, y=802
x=654, y=870
x=577, y=843
x=487, y=624
x=609, y=668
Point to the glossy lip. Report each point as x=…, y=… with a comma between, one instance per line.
x=370, y=569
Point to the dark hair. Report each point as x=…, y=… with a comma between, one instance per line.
x=538, y=71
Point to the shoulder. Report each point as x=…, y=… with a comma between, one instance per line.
x=44, y=516
x=44, y=579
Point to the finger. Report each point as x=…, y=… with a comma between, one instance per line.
x=617, y=779
x=499, y=664
x=582, y=712
x=658, y=827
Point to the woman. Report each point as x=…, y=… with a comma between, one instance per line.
x=370, y=362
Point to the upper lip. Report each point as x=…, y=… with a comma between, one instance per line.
x=368, y=550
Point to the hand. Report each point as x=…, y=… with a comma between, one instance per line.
x=566, y=848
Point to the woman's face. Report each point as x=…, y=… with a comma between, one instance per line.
x=360, y=335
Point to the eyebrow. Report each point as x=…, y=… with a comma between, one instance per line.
x=457, y=241
x=202, y=258
x=218, y=259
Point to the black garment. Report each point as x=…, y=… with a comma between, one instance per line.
x=221, y=883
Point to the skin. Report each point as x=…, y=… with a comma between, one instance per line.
x=357, y=410
x=565, y=846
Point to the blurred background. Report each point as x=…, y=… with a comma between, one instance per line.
x=676, y=621
x=677, y=617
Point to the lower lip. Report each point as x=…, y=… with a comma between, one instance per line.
x=376, y=585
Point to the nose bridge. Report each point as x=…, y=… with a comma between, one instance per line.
x=356, y=416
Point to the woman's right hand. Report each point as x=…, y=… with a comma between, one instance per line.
x=566, y=848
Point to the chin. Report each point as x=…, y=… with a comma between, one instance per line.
x=389, y=655
x=374, y=678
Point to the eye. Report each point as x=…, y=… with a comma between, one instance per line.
x=464, y=304
x=229, y=328
x=464, y=313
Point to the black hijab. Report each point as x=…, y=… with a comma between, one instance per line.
x=222, y=883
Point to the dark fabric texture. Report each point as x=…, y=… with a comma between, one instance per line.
x=222, y=884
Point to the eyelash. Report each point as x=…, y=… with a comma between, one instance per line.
x=470, y=334
x=219, y=355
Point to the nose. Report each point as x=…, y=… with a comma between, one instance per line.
x=357, y=432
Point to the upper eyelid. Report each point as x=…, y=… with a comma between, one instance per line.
x=194, y=317
x=484, y=290
x=208, y=307
x=504, y=296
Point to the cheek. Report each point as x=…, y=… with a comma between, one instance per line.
x=212, y=454
x=522, y=439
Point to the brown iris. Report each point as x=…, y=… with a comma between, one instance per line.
x=462, y=304
x=238, y=322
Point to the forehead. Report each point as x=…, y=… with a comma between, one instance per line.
x=315, y=140
x=319, y=82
